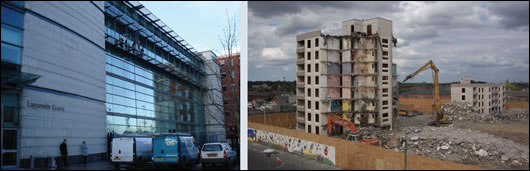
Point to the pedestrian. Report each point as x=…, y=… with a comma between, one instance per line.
x=64, y=152
x=84, y=150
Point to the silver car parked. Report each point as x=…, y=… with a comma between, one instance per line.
x=218, y=153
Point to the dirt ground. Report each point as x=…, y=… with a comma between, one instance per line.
x=517, y=131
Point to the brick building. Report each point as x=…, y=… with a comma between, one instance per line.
x=229, y=68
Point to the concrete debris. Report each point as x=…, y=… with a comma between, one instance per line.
x=414, y=138
x=481, y=153
x=445, y=147
x=466, y=111
x=463, y=146
x=515, y=114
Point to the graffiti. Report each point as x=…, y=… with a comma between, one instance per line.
x=320, y=152
x=170, y=142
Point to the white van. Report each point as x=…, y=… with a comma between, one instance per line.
x=134, y=151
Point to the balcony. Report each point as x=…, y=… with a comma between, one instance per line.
x=300, y=96
x=300, y=108
x=300, y=119
x=300, y=73
x=300, y=49
x=300, y=61
x=300, y=84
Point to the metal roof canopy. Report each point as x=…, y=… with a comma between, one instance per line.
x=149, y=16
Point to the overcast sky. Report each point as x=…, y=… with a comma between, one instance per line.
x=487, y=41
x=199, y=23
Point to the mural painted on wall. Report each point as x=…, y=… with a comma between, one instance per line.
x=320, y=152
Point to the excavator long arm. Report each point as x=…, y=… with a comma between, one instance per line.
x=437, y=106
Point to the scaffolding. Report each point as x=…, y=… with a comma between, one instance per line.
x=133, y=29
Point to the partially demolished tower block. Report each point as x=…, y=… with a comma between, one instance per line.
x=348, y=75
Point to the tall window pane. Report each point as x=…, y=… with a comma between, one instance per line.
x=11, y=35
x=11, y=53
x=12, y=17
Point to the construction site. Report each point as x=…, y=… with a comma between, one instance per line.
x=346, y=88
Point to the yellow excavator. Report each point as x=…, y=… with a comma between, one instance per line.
x=439, y=117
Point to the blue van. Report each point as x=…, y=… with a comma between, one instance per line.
x=174, y=149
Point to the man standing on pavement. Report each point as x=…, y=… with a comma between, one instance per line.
x=64, y=152
x=84, y=150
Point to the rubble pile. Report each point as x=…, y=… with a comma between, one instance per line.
x=515, y=114
x=466, y=111
x=372, y=132
x=464, y=146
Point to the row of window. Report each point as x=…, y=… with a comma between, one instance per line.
x=317, y=117
x=309, y=68
x=163, y=82
x=147, y=27
x=222, y=62
x=12, y=30
x=309, y=55
x=166, y=100
x=232, y=75
x=124, y=129
x=317, y=129
x=309, y=43
x=160, y=56
x=317, y=105
x=317, y=93
x=309, y=80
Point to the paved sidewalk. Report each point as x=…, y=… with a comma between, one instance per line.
x=96, y=165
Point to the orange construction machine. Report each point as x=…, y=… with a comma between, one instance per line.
x=353, y=135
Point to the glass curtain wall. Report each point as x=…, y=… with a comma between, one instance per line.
x=12, y=32
x=141, y=97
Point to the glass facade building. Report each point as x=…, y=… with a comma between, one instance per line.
x=91, y=70
x=153, y=80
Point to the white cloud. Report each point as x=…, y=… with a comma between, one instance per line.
x=273, y=54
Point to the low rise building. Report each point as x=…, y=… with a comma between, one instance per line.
x=488, y=97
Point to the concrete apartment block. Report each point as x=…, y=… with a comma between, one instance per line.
x=488, y=98
x=348, y=75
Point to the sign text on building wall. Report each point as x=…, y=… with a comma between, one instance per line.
x=44, y=106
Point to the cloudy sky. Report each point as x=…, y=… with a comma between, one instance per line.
x=199, y=23
x=487, y=41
